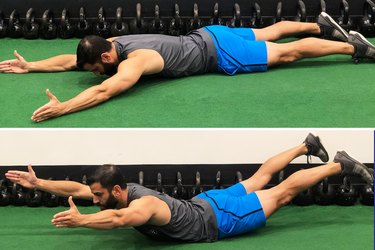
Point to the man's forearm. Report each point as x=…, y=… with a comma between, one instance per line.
x=54, y=64
x=64, y=188
x=86, y=99
x=106, y=219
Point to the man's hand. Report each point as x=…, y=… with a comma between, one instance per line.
x=53, y=108
x=18, y=65
x=69, y=218
x=25, y=179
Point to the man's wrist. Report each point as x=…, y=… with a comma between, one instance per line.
x=30, y=66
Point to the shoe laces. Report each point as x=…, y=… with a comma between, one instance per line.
x=309, y=160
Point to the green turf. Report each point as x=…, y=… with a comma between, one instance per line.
x=324, y=92
x=314, y=227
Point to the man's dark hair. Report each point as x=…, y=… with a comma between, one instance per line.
x=90, y=49
x=108, y=176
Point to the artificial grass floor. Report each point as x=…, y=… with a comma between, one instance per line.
x=292, y=227
x=324, y=92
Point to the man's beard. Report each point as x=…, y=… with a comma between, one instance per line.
x=110, y=204
x=110, y=68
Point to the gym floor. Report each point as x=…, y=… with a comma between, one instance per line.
x=324, y=92
x=293, y=227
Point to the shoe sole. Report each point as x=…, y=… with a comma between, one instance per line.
x=360, y=37
x=330, y=20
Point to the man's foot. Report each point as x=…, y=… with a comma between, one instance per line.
x=363, y=48
x=330, y=29
x=350, y=165
x=315, y=147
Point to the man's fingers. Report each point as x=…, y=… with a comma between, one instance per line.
x=30, y=169
x=18, y=56
x=50, y=95
x=12, y=177
x=41, y=116
x=71, y=203
x=61, y=215
x=7, y=62
x=40, y=110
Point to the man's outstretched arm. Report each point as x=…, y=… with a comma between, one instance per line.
x=129, y=72
x=54, y=64
x=147, y=209
x=60, y=188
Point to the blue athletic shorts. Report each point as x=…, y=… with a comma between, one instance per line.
x=237, y=50
x=236, y=211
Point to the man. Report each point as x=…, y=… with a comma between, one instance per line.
x=209, y=49
x=209, y=216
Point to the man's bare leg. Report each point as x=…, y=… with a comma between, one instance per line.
x=286, y=29
x=311, y=146
x=274, y=198
x=272, y=166
x=305, y=48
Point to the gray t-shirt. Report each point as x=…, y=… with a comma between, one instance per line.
x=192, y=220
x=194, y=53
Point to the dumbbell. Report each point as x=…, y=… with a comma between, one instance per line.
x=279, y=13
x=366, y=195
x=346, y=193
x=197, y=188
x=179, y=191
x=216, y=19
x=66, y=29
x=14, y=26
x=157, y=26
x=236, y=20
x=5, y=196
x=3, y=26
x=239, y=177
x=119, y=27
x=138, y=25
x=218, y=181
x=159, y=185
x=141, y=178
x=324, y=193
x=195, y=22
x=102, y=27
x=344, y=20
x=176, y=24
x=18, y=195
x=323, y=6
x=256, y=19
x=48, y=27
x=33, y=198
x=301, y=12
x=30, y=28
x=83, y=26
x=367, y=23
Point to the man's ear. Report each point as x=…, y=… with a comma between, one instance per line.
x=106, y=57
x=116, y=191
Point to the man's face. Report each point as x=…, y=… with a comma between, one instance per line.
x=102, y=197
x=101, y=68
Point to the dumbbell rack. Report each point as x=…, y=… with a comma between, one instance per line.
x=182, y=181
x=48, y=15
